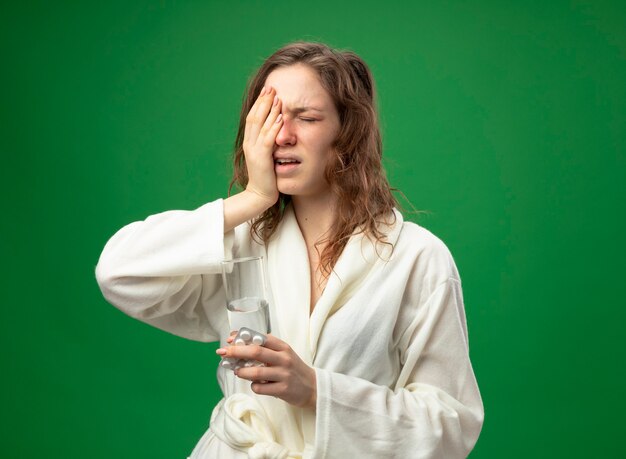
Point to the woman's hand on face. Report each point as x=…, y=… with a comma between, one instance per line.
x=262, y=125
x=285, y=375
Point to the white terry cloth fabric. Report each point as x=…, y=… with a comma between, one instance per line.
x=388, y=337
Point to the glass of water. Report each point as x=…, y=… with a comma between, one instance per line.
x=244, y=283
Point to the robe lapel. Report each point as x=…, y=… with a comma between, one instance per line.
x=289, y=279
x=357, y=260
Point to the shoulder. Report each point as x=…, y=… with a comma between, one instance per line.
x=426, y=252
x=420, y=238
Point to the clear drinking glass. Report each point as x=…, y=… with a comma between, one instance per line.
x=244, y=283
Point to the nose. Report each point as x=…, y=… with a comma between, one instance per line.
x=286, y=136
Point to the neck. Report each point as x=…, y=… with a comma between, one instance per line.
x=315, y=216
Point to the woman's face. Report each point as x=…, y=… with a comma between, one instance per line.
x=311, y=125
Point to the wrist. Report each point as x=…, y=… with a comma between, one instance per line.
x=259, y=200
x=243, y=207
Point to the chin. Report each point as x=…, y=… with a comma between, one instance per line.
x=288, y=191
x=297, y=188
x=287, y=188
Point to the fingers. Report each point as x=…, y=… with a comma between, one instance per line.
x=263, y=104
x=231, y=338
x=258, y=114
x=252, y=112
x=285, y=375
x=272, y=124
x=275, y=344
x=263, y=123
x=259, y=99
x=271, y=388
x=271, y=343
x=253, y=352
x=269, y=374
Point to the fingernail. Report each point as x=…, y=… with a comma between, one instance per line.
x=280, y=117
x=221, y=351
x=263, y=91
x=275, y=100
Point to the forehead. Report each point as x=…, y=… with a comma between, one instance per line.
x=299, y=86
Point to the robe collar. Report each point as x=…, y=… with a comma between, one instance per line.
x=290, y=280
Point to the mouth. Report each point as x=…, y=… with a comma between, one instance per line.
x=284, y=166
x=282, y=162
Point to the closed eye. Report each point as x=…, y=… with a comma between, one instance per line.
x=308, y=120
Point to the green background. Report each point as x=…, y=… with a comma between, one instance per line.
x=506, y=121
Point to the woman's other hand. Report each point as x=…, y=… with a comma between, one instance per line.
x=262, y=125
x=286, y=376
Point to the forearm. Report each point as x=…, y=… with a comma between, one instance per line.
x=418, y=421
x=165, y=270
x=243, y=207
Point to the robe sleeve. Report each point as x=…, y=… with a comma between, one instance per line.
x=166, y=271
x=434, y=411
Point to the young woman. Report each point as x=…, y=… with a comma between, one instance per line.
x=368, y=355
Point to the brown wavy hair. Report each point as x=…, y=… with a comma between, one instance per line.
x=355, y=173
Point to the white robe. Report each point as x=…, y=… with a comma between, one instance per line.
x=387, y=338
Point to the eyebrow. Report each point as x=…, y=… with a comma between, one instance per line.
x=297, y=110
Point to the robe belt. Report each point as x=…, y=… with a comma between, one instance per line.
x=242, y=423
